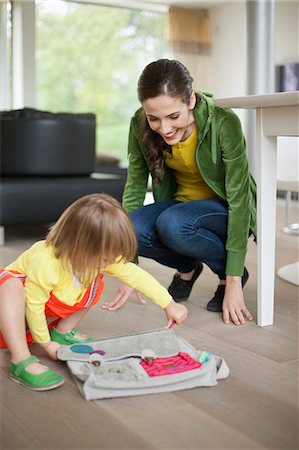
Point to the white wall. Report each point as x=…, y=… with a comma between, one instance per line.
x=228, y=65
x=286, y=32
x=224, y=70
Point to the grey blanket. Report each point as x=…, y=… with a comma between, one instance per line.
x=111, y=367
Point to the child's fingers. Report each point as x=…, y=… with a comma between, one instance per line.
x=183, y=314
x=170, y=324
x=139, y=297
x=176, y=315
x=113, y=306
x=109, y=305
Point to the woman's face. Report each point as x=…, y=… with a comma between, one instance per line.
x=170, y=117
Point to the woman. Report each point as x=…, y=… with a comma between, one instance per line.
x=205, y=197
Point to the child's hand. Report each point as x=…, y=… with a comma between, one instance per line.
x=175, y=312
x=121, y=297
x=51, y=348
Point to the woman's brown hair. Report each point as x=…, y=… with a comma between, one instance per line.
x=161, y=77
x=91, y=229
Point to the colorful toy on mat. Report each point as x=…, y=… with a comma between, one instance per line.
x=94, y=356
x=204, y=357
x=169, y=366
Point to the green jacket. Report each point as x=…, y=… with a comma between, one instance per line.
x=222, y=161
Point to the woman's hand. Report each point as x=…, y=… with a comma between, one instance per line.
x=51, y=348
x=175, y=312
x=234, y=307
x=121, y=297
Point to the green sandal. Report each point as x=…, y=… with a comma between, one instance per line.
x=67, y=338
x=42, y=382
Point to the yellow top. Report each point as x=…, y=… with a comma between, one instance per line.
x=191, y=185
x=45, y=274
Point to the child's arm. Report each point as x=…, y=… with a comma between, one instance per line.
x=36, y=299
x=36, y=319
x=50, y=348
x=41, y=278
x=143, y=282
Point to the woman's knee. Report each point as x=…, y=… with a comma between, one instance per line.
x=169, y=223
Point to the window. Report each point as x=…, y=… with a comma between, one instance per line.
x=5, y=55
x=89, y=58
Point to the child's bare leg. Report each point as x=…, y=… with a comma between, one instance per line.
x=12, y=323
x=68, y=323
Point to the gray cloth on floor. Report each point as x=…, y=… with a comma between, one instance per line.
x=120, y=373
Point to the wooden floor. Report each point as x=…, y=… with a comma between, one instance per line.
x=256, y=407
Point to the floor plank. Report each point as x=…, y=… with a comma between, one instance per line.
x=14, y=435
x=61, y=419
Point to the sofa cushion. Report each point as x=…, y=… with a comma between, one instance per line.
x=33, y=200
x=47, y=144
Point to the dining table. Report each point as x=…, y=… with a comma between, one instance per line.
x=276, y=115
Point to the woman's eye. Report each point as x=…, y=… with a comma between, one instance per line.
x=174, y=117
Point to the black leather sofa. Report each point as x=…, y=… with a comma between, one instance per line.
x=48, y=161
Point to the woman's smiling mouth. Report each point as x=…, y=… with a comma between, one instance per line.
x=170, y=135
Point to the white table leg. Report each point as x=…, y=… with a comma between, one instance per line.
x=266, y=156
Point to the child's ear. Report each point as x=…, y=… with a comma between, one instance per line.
x=192, y=101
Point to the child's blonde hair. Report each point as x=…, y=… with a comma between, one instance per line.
x=91, y=230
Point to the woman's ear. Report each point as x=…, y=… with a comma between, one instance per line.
x=192, y=101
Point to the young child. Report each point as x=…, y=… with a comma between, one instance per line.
x=59, y=279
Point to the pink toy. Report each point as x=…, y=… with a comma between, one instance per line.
x=167, y=366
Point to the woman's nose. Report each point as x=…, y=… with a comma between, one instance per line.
x=164, y=127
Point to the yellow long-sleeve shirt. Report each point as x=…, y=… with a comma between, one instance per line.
x=190, y=184
x=45, y=274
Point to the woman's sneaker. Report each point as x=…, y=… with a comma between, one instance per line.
x=215, y=305
x=180, y=289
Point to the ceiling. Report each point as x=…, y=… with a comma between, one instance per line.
x=185, y=4
x=156, y=5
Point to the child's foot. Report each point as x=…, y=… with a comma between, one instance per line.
x=33, y=375
x=36, y=368
x=72, y=337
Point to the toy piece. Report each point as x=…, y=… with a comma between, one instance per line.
x=204, y=357
x=169, y=366
x=148, y=355
x=95, y=358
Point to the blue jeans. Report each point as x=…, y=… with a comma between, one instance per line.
x=178, y=234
